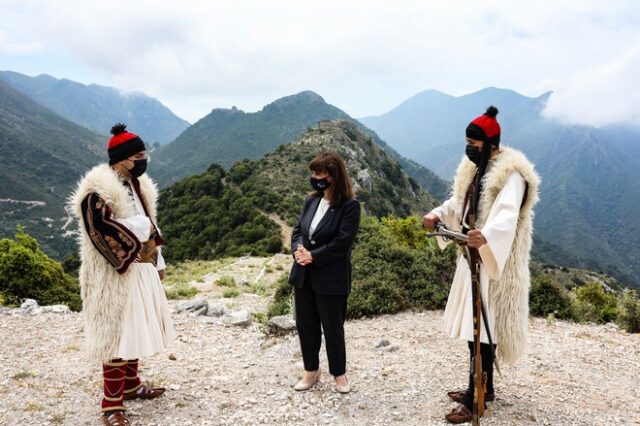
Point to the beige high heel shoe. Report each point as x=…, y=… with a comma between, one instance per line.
x=346, y=388
x=303, y=386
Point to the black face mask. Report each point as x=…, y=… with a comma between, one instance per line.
x=139, y=167
x=474, y=154
x=319, y=185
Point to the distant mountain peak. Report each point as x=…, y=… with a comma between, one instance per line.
x=304, y=97
x=97, y=107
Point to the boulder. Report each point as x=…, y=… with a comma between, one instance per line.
x=239, y=318
x=195, y=306
x=281, y=325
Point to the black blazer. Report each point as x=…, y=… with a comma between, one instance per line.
x=330, y=246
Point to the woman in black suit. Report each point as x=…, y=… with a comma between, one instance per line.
x=321, y=274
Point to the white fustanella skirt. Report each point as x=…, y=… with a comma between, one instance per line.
x=147, y=327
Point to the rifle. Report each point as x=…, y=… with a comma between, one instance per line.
x=473, y=259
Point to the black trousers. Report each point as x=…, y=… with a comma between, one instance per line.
x=312, y=311
x=487, y=365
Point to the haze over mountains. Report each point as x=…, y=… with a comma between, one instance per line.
x=591, y=179
x=99, y=107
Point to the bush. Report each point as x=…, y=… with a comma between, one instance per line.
x=231, y=292
x=26, y=272
x=396, y=268
x=180, y=291
x=629, y=311
x=226, y=281
x=281, y=304
x=591, y=303
x=547, y=297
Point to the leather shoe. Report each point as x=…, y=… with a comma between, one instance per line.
x=115, y=418
x=460, y=414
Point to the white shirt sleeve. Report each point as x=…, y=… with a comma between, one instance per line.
x=447, y=214
x=139, y=225
x=160, y=265
x=500, y=227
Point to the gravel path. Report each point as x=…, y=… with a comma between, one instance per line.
x=224, y=375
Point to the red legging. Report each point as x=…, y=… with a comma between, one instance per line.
x=119, y=377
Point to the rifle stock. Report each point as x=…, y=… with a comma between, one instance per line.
x=480, y=377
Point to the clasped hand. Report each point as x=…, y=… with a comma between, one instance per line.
x=303, y=256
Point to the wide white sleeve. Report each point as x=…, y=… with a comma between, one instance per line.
x=447, y=212
x=500, y=227
x=160, y=264
x=139, y=225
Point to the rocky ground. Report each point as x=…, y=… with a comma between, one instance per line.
x=218, y=373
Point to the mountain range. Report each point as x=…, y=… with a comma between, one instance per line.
x=587, y=217
x=591, y=179
x=228, y=135
x=99, y=107
x=43, y=155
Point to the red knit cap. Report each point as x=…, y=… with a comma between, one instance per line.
x=486, y=127
x=123, y=144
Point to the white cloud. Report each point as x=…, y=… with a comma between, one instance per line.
x=605, y=94
x=12, y=46
x=363, y=56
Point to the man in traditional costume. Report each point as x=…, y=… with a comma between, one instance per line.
x=125, y=308
x=505, y=186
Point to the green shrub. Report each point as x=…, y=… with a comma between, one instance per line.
x=181, y=290
x=375, y=295
x=547, y=297
x=591, y=303
x=281, y=303
x=629, y=311
x=394, y=268
x=231, y=292
x=26, y=272
x=226, y=281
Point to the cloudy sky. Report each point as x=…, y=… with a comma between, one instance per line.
x=362, y=56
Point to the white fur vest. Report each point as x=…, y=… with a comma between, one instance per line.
x=510, y=294
x=104, y=291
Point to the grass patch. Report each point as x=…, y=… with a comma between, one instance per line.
x=24, y=375
x=32, y=406
x=279, y=268
x=71, y=347
x=58, y=418
x=193, y=270
x=261, y=318
x=231, y=292
x=226, y=282
x=180, y=291
x=259, y=288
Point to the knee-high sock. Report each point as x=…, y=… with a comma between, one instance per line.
x=132, y=381
x=113, y=376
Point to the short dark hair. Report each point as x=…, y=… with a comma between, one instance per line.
x=331, y=163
